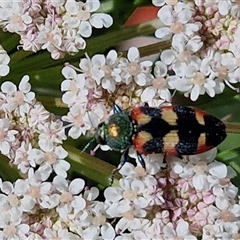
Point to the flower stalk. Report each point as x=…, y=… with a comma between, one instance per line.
x=91, y=167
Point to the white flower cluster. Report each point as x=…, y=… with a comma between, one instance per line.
x=91, y=90
x=191, y=197
x=182, y=198
x=29, y=135
x=34, y=208
x=58, y=26
x=204, y=54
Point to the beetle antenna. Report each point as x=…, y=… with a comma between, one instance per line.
x=88, y=144
x=116, y=109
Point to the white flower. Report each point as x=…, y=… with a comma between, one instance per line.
x=70, y=201
x=176, y=19
x=102, y=69
x=15, y=18
x=127, y=201
x=51, y=132
x=7, y=136
x=92, y=67
x=75, y=9
x=79, y=119
x=202, y=171
x=100, y=20
x=73, y=85
x=49, y=233
x=158, y=3
x=226, y=214
x=11, y=231
x=100, y=221
x=78, y=15
x=73, y=41
x=224, y=68
x=4, y=60
x=37, y=115
x=133, y=191
x=53, y=157
x=117, y=205
x=11, y=208
x=50, y=36
x=133, y=69
x=181, y=231
x=182, y=54
x=33, y=190
x=111, y=72
x=21, y=98
x=159, y=85
x=198, y=80
x=22, y=159
x=224, y=6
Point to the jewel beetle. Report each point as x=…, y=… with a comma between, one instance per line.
x=175, y=130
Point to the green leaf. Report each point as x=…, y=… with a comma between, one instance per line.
x=231, y=157
x=8, y=172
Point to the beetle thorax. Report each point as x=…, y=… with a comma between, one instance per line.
x=118, y=131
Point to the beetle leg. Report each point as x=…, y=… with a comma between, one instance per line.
x=179, y=156
x=123, y=160
x=145, y=104
x=164, y=157
x=141, y=160
x=116, y=109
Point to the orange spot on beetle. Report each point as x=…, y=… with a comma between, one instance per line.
x=140, y=139
x=113, y=130
x=140, y=117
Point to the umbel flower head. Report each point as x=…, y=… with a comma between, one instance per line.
x=57, y=26
x=205, y=44
x=180, y=198
x=190, y=197
x=91, y=90
x=30, y=136
x=176, y=198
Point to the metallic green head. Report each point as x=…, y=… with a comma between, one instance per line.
x=116, y=132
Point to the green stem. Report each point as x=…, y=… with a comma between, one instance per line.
x=232, y=127
x=90, y=167
x=101, y=43
x=152, y=48
x=94, y=45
